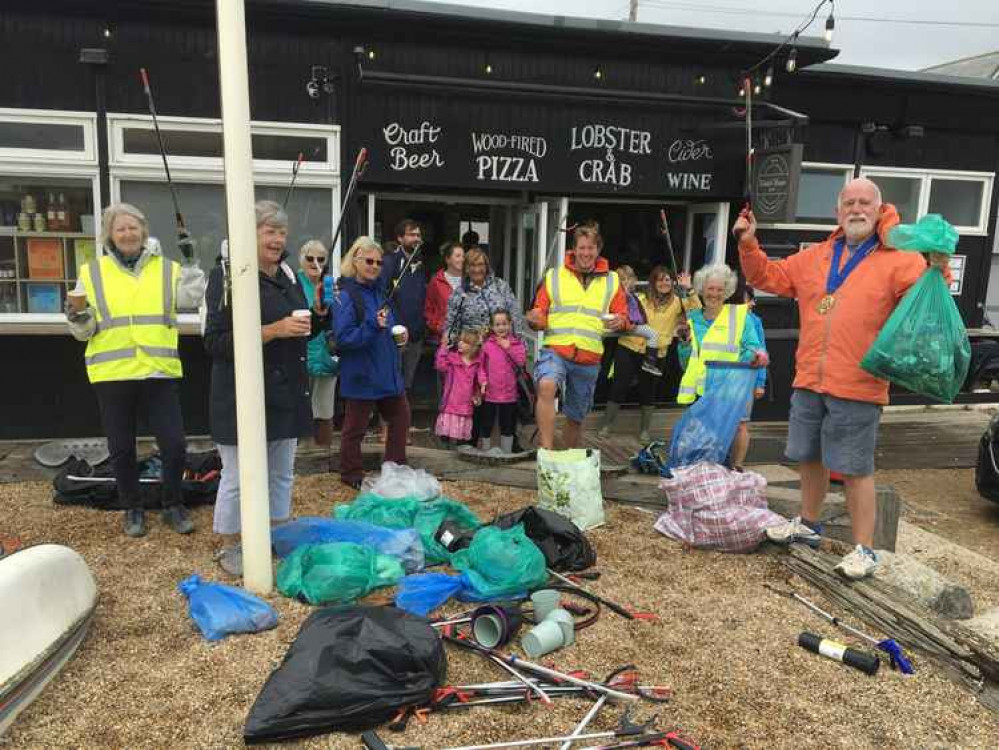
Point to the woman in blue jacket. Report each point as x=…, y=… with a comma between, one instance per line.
x=370, y=374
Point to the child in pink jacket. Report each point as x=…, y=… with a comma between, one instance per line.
x=463, y=385
x=502, y=355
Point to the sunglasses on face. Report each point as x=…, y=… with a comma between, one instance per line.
x=315, y=258
x=371, y=261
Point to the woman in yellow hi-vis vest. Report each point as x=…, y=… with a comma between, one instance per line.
x=125, y=307
x=576, y=307
x=717, y=333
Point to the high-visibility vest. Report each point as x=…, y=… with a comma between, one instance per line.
x=136, y=321
x=574, y=318
x=721, y=343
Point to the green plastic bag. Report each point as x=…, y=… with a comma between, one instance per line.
x=409, y=513
x=924, y=346
x=931, y=234
x=501, y=561
x=335, y=573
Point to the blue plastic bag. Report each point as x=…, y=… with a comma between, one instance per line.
x=422, y=594
x=403, y=544
x=220, y=610
x=707, y=428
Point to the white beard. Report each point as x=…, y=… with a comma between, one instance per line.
x=856, y=231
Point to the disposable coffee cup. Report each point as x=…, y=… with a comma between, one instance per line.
x=608, y=318
x=398, y=332
x=301, y=313
x=564, y=619
x=543, y=639
x=544, y=601
x=77, y=300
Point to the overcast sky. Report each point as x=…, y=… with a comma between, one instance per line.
x=958, y=28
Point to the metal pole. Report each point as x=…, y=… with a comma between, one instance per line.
x=258, y=575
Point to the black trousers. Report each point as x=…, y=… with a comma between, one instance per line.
x=120, y=402
x=628, y=366
x=507, y=414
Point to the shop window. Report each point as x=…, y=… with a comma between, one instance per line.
x=901, y=191
x=36, y=136
x=959, y=201
x=208, y=144
x=47, y=234
x=310, y=215
x=818, y=192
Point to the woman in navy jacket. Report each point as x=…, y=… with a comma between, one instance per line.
x=370, y=374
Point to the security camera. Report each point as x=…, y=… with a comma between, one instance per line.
x=312, y=89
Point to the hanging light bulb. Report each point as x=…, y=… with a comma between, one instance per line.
x=598, y=73
x=488, y=69
x=768, y=79
x=371, y=54
x=792, y=60
x=701, y=79
x=742, y=89
x=756, y=87
x=830, y=23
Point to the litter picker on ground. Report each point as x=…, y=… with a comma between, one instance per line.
x=184, y=242
x=609, y=604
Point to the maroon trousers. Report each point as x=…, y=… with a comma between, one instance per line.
x=394, y=412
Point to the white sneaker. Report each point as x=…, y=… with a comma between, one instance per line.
x=791, y=531
x=858, y=564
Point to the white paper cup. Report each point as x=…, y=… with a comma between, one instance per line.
x=608, y=318
x=543, y=639
x=77, y=300
x=544, y=601
x=564, y=619
x=398, y=331
x=301, y=313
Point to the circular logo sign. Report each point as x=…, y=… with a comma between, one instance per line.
x=773, y=185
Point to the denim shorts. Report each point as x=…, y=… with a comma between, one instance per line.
x=576, y=382
x=838, y=432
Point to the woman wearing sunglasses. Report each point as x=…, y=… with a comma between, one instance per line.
x=370, y=364
x=321, y=365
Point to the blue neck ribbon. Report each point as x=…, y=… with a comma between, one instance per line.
x=836, y=277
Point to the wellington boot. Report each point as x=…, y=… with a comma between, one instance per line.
x=643, y=435
x=323, y=434
x=610, y=415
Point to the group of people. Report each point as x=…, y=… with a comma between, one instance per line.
x=384, y=309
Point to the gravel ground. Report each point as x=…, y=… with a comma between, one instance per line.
x=144, y=678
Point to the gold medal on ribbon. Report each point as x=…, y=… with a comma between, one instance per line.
x=826, y=304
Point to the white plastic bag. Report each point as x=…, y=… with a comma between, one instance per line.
x=569, y=484
x=397, y=480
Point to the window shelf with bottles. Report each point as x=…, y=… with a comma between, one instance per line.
x=46, y=235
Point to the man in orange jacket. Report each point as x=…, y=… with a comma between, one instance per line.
x=846, y=286
x=575, y=307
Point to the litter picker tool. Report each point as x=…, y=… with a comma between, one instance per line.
x=609, y=604
x=360, y=164
x=184, y=242
x=750, y=154
x=401, y=274
x=889, y=646
x=669, y=240
x=294, y=176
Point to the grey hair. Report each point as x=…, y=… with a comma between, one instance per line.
x=312, y=246
x=271, y=214
x=112, y=212
x=347, y=265
x=862, y=181
x=716, y=271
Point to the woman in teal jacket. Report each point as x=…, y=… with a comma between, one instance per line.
x=322, y=366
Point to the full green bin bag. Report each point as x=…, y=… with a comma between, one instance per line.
x=923, y=346
x=425, y=516
x=501, y=561
x=335, y=573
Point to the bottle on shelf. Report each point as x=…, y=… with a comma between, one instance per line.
x=62, y=213
x=40, y=224
x=29, y=204
x=50, y=213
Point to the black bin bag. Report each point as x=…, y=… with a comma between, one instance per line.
x=564, y=546
x=350, y=669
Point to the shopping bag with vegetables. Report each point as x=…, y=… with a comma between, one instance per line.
x=923, y=346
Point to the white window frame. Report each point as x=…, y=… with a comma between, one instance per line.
x=846, y=169
x=84, y=120
x=926, y=176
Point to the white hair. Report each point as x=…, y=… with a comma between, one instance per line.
x=311, y=247
x=716, y=271
x=112, y=212
x=860, y=181
x=271, y=214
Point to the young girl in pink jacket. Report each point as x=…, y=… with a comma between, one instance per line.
x=463, y=385
x=502, y=355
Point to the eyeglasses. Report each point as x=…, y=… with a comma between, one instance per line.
x=315, y=258
x=372, y=261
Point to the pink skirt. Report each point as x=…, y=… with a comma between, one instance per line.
x=454, y=426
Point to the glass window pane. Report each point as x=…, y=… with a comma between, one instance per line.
x=209, y=144
x=958, y=201
x=287, y=148
x=49, y=136
x=310, y=215
x=818, y=191
x=903, y=193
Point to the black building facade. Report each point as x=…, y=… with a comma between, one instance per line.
x=510, y=124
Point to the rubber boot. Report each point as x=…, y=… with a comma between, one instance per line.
x=485, y=444
x=643, y=434
x=506, y=444
x=323, y=432
x=650, y=362
x=610, y=415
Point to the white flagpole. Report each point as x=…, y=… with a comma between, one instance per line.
x=258, y=575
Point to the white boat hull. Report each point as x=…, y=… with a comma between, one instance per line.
x=48, y=597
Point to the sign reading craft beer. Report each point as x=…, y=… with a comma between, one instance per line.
x=567, y=150
x=775, y=183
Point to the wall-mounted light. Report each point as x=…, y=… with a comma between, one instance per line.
x=701, y=79
x=371, y=54
x=487, y=69
x=742, y=90
x=768, y=79
x=108, y=31
x=792, y=60
x=757, y=88
x=598, y=74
